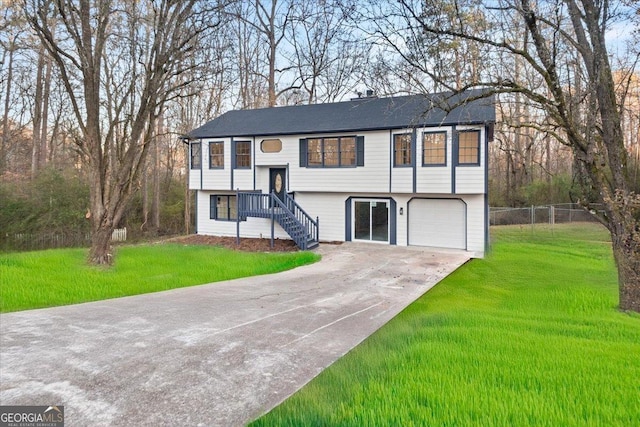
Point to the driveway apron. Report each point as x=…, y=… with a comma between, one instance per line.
x=217, y=354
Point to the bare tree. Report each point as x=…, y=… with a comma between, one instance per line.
x=12, y=31
x=119, y=62
x=411, y=60
x=327, y=53
x=9, y=50
x=579, y=100
x=270, y=20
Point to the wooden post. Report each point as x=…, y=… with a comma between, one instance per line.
x=273, y=207
x=238, y=204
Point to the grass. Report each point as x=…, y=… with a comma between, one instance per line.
x=56, y=277
x=529, y=336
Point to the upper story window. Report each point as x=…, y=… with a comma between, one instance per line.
x=402, y=149
x=434, y=149
x=196, y=155
x=216, y=155
x=331, y=152
x=243, y=155
x=271, y=146
x=469, y=147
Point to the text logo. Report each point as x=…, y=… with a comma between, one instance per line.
x=32, y=416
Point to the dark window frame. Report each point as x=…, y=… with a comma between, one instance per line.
x=406, y=150
x=238, y=155
x=338, y=152
x=216, y=155
x=469, y=150
x=436, y=149
x=213, y=207
x=192, y=156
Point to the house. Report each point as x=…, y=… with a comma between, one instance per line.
x=407, y=170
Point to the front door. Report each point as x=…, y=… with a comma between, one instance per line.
x=278, y=182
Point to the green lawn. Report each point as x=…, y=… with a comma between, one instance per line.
x=61, y=276
x=529, y=336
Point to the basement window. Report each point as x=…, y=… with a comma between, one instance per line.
x=223, y=207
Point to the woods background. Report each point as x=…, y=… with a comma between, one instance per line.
x=251, y=54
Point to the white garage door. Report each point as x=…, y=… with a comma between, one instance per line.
x=438, y=223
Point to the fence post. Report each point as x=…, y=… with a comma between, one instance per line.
x=533, y=217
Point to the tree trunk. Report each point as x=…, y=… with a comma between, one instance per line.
x=37, y=117
x=626, y=251
x=7, y=104
x=44, y=149
x=155, y=201
x=145, y=199
x=187, y=195
x=101, y=252
x=625, y=240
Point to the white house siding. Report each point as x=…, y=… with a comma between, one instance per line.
x=402, y=180
x=476, y=223
x=434, y=179
x=243, y=179
x=252, y=227
x=194, y=179
x=373, y=176
x=288, y=154
x=195, y=175
x=471, y=179
x=330, y=208
x=262, y=178
x=216, y=178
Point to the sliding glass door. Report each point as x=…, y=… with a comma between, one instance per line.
x=371, y=220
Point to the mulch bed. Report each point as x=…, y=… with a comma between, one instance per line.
x=246, y=244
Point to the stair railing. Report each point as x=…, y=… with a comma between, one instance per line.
x=303, y=229
x=310, y=225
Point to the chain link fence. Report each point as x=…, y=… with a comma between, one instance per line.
x=18, y=242
x=549, y=214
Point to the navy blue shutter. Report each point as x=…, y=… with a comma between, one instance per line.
x=212, y=206
x=414, y=148
x=360, y=151
x=303, y=152
x=233, y=154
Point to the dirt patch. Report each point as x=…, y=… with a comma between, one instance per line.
x=246, y=244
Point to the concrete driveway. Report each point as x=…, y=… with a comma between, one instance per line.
x=217, y=354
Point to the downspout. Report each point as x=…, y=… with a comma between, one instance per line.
x=486, y=189
x=454, y=158
x=390, y=158
x=414, y=153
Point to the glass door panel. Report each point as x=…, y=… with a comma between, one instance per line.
x=379, y=221
x=363, y=221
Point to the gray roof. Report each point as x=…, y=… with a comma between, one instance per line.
x=352, y=116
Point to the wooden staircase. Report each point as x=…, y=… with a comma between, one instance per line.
x=302, y=229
